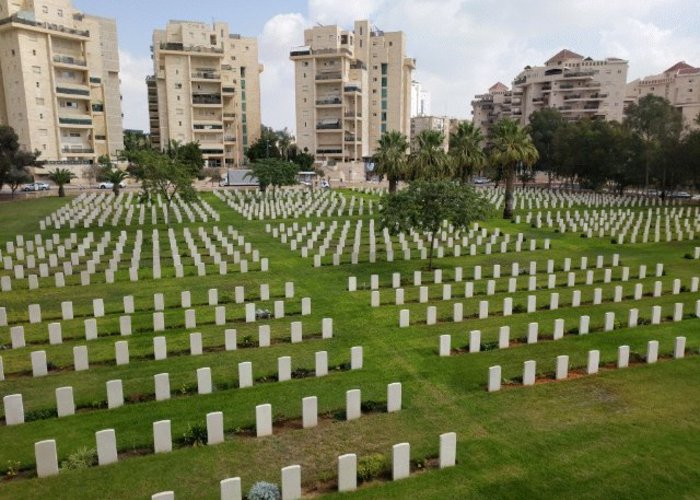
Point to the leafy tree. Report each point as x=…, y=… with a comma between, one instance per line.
x=391, y=158
x=428, y=160
x=115, y=177
x=135, y=141
x=188, y=154
x=512, y=149
x=466, y=151
x=265, y=147
x=544, y=124
x=273, y=172
x=284, y=142
x=14, y=161
x=16, y=176
x=214, y=174
x=656, y=122
x=304, y=160
x=161, y=174
x=425, y=205
x=61, y=177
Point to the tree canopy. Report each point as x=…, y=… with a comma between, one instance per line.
x=428, y=159
x=466, y=151
x=14, y=161
x=273, y=172
x=162, y=174
x=391, y=158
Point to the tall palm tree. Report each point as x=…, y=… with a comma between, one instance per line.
x=429, y=160
x=391, y=158
x=512, y=148
x=61, y=176
x=465, y=150
x=115, y=177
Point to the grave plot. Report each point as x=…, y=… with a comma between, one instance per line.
x=623, y=226
x=333, y=244
x=527, y=199
x=106, y=210
x=58, y=262
x=295, y=204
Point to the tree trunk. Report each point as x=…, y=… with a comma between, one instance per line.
x=392, y=185
x=430, y=251
x=115, y=190
x=61, y=191
x=508, y=209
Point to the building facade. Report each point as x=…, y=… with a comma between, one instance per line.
x=420, y=100
x=59, y=80
x=442, y=124
x=579, y=87
x=205, y=88
x=680, y=84
x=351, y=87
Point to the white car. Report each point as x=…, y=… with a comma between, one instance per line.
x=109, y=185
x=36, y=186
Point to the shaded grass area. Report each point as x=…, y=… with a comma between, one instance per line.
x=622, y=433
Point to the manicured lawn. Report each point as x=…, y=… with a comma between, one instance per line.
x=627, y=433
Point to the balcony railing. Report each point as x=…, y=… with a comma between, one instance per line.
x=229, y=115
x=350, y=138
x=352, y=88
x=578, y=74
x=358, y=65
x=328, y=101
x=77, y=150
x=47, y=26
x=190, y=48
x=229, y=90
x=69, y=91
x=572, y=96
x=229, y=138
x=208, y=127
x=322, y=151
x=206, y=98
x=207, y=75
x=69, y=60
x=353, y=115
x=329, y=76
x=519, y=81
x=74, y=121
x=328, y=125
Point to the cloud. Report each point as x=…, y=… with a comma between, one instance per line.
x=132, y=73
x=342, y=12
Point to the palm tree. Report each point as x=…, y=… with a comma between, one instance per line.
x=512, y=148
x=115, y=177
x=465, y=150
x=391, y=159
x=429, y=160
x=61, y=176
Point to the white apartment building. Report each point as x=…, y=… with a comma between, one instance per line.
x=205, y=88
x=351, y=87
x=680, y=84
x=420, y=100
x=577, y=86
x=59, y=80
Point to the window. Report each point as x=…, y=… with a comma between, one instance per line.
x=180, y=124
x=37, y=85
x=34, y=52
x=180, y=111
x=45, y=9
x=36, y=70
x=60, y=12
x=39, y=101
x=178, y=86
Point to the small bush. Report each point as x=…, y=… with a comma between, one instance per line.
x=247, y=341
x=264, y=491
x=489, y=346
x=12, y=469
x=195, y=435
x=372, y=406
x=82, y=458
x=519, y=308
x=40, y=414
x=371, y=467
x=689, y=256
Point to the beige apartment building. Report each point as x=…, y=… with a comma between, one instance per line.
x=577, y=86
x=441, y=124
x=680, y=84
x=351, y=87
x=205, y=88
x=59, y=80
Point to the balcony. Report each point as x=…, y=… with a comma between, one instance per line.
x=96, y=80
x=358, y=65
x=229, y=138
x=579, y=74
x=350, y=138
x=330, y=76
x=329, y=101
x=75, y=121
x=77, y=150
x=69, y=60
x=328, y=150
x=300, y=51
x=538, y=100
x=207, y=99
x=228, y=90
x=328, y=125
x=212, y=151
x=202, y=127
x=179, y=47
x=353, y=115
x=572, y=96
x=206, y=75
x=69, y=91
x=229, y=116
x=47, y=26
x=520, y=81
x=352, y=88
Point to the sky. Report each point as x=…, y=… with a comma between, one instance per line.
x=462, y=47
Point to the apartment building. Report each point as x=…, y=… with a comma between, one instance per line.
x=420, y=100
x=441, y=124
x=680, y=84
x=351, y=87
x=59, y=80
x=205, y=88
x=578, y=86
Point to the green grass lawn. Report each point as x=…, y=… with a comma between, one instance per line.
x=623, y=433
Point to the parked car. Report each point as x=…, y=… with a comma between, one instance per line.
x=680, y=194
x=480, y=180
x=35, y=186
x=109, y=185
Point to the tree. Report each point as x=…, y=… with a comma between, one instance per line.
x=391, y=158
x=161, y=174
x=188, y=155
x=115, y=177
x=425, y=205
x=466, y=151
x=304, y=160
x=61, y=177
x=15, y=177
x=656, y=122
x=544, y=124
x=265, y=147
x=428, y=160
x=14, y=161
x=273, y=172
x=214, y=174
x=512, y=149
x=135, y=141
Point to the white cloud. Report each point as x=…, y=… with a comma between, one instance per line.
x=342, y=12
x=133, y=72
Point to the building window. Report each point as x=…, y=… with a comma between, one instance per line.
x=45, y=9
x=60, y=12
x=178, y=86
x=34, y=52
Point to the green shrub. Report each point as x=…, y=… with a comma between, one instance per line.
x=264, y=491
x=82, y=458
x=195, y=435
x=44, y=414
x=371, y=467
x=519, y=308
x=12, y=469
x=247, y=341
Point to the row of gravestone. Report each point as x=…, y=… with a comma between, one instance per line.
x=592, y=367
x=106, y=440
x=533, y=334
x=65, y=402
x=160, y=350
